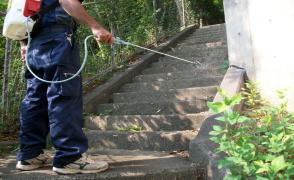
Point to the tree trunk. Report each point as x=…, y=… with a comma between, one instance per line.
x=181, y=11
x=5, y=79
x=155, y=21
x=183, y=14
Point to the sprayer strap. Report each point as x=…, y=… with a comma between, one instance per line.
x=44, y=10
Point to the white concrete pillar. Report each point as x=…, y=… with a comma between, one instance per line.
x=260, y=39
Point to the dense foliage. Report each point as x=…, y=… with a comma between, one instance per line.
x=260, y=143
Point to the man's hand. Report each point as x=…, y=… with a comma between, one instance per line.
x=23, y=50
x=103, y=35
x=76, y=10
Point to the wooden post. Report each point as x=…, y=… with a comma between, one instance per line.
x=5, y=79
x=113, y=47
x=183, y=11
x=180, y=11
x=112, y=30
x=155, y=21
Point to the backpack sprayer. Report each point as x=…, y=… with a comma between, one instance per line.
x=21, y=17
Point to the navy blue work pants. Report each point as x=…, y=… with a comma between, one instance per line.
x=53, y=108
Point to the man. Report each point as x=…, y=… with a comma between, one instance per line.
x=56, y=108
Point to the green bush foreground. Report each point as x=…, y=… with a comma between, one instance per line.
x=259, y=143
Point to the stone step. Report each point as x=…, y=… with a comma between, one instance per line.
x=200, y=73
x=210, y=62
x=167, y=63
x=123, y=165
x=170, y=95
x=142, y=108
x=173, y=84
x=203, y=45
x=184, y=66
x=143, y=140
x=170, y=65
x=213, y=33
x=208, y=39
x=188, y=53
x=198, y=49
x=147, y=122
x=211, y=29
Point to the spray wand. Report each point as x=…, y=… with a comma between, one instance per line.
x=117, y=41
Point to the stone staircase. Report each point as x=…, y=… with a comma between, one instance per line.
x=168, y=101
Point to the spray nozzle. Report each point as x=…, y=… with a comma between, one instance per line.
x=121, y=42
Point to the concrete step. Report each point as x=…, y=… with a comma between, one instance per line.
x=171, y=66
x=209, y=62
x=204, y=45
x=182, y=51
x=210, y=37
x=144, y=140
x=211, y=29
x=211, y=34
x=147, y=122
x=201, y=48
x=184, y=66
x=143, y=108
x=207, y=44
x=200, y=73
x=124, y=165
x=172, y=84
x=170, y=95
x=169, y=63
x=202, y=39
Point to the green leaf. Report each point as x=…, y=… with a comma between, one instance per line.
x=216, y=107
x=264, y=167
x=282, y=93
x=214, y=133
x=261, y=129
x=278, y=164
x=222, y=92
x=224, y=163
x=235, y=99
x=221, y=118
x=261, y=178
x=243, y=119
x=217, y=128
x=232, y=177
x=215, y=139
x=269, y=157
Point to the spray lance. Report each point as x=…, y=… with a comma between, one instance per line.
x=117, y=41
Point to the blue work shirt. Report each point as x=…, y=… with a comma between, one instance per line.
x=56, y=16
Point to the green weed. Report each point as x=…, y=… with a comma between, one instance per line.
x=225, y=66
x=131, y=128
x=257, y=147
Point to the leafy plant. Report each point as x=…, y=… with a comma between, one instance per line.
x=225, y=66
x=252, y=95
x=256, y=147
x=131, y=128
x=106, y=112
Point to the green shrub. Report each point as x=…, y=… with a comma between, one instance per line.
x=260, y=143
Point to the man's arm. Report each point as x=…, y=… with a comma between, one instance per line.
x=77, y=11
x=23, y=49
